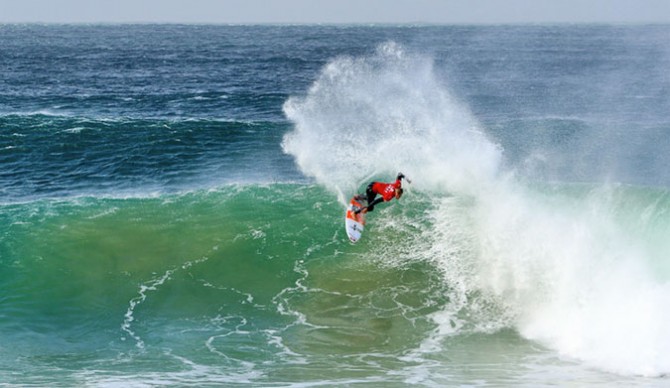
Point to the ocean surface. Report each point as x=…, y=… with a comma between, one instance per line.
x=172, y=206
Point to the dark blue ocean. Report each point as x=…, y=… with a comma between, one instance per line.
x=172, y=205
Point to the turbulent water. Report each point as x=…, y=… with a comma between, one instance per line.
x=172, y=203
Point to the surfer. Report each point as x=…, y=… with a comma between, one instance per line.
x=388, y=191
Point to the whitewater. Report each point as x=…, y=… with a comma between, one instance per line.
x=567, y=272
x=172, y=206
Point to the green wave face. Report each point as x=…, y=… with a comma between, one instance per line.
x=242, y=275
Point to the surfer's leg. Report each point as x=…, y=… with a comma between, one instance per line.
x=370, y=194
x=371, y=205
x=371, y=202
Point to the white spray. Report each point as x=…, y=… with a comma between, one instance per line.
x=378, y=115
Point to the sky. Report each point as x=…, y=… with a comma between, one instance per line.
x=336, y=11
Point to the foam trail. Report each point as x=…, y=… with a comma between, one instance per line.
x=561, y=270
x=135, y=302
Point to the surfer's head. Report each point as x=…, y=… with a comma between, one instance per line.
x=398, y=193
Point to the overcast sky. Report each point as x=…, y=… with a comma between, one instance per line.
x=335, y=11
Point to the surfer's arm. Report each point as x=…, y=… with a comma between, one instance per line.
x=402, y=176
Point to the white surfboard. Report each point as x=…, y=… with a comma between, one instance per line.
x=354, y=223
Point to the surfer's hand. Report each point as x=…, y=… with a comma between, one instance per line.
x=400, y=176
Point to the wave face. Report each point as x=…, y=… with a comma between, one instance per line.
x=258, y=284
x=240, y=284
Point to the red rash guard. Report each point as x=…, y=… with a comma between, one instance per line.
x=386, y=190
